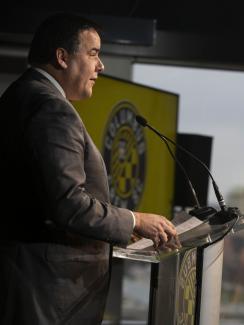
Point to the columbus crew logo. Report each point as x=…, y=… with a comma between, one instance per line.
x=124, y=156
x=187, y=289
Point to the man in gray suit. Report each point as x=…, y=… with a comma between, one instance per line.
x=58, y=227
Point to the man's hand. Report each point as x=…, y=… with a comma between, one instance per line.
x=134, y=238
x=157, y=228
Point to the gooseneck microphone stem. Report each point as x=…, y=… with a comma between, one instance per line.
x=143, y=122
x=183, y=170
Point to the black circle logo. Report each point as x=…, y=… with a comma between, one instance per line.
x=124, y=154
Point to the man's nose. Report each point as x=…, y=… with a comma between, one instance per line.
x=100, y=65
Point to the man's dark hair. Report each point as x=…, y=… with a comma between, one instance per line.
x=58, y=30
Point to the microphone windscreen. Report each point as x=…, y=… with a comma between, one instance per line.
x=141, y=120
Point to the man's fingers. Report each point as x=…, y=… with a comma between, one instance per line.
x=156, y=242
x=163, y=237
x=174, y=243
x=169, y=229
x=168, y=222
x=177, y=242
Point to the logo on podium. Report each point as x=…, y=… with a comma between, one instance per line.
x=187, y=289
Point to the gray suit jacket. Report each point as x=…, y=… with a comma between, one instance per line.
x=59, y=226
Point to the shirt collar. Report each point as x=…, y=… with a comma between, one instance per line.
x=52, y=80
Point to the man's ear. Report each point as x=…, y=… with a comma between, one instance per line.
x=62, y=57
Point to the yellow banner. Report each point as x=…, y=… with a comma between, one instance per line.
x=140, y=168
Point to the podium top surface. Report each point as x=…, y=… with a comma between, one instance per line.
x=200, y=234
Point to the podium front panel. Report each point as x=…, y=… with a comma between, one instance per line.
x=173, y=290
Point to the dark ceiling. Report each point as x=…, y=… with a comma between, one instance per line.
x=199, y=32
x=185, y=16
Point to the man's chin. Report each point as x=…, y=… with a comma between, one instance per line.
x=87, y=94
x=84, y=95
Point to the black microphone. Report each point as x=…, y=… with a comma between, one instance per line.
x=143, y=122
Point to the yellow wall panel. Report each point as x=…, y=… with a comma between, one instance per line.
x=140, y=168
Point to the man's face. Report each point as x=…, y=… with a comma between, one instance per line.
x=83, y=66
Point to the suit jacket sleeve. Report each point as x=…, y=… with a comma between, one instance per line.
x=59, y=145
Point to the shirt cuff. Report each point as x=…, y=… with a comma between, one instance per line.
x=134, y=219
